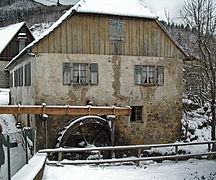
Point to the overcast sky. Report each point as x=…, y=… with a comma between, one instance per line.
x=171, y=6
x=157, y=6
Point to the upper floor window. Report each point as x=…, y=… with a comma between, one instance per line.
x=117, y=29
x=80, y=73
x=18, y=77
x=28, y=74
x=149, y=75
x=11, y=80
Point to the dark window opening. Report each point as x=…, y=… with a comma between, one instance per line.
x=136, y=115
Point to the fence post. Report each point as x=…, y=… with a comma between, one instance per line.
x=59, y=156
x=26, y=145
x=138, y=156
x=9, y=165
x=176, y=152
x=99, y=155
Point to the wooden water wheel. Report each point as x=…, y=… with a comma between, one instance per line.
x=86, y=131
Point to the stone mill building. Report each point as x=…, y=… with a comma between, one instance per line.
x=104, y=53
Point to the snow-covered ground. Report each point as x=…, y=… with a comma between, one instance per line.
x=168, y=170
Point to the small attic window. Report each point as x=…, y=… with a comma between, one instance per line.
x=117, y=29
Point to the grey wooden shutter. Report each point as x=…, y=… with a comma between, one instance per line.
x=21, y=76
x=120, y=31
x=66, y=74
x=117, y=30
x=160, y=75
x=94, y=74
x=29, y=74
x=137, y=74
x=156, y=75
x=15, y=78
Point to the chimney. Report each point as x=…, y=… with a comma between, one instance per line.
x=22, y=40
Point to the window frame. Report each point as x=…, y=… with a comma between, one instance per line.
x=89, y=73
x=137, y=114
x=148, y=75
x=81, y=73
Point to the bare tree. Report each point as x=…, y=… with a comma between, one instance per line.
x=201, y=16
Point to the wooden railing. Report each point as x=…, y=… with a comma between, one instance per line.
x=139, y=149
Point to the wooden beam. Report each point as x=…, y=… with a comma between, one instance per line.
x=65, y=110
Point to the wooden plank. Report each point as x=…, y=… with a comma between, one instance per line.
x=57, y=43
x=63, y=110
x=74, y=38
x=64, y=37
x=85, y=34
x=51, y=43
x=102, y=39
x=68, y=36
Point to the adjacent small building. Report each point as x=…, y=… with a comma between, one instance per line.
x=110, y=52
x=13, y=39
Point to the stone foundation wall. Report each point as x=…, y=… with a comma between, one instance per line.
x=161, y=125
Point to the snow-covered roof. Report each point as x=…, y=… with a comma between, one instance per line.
x=7, y=33
x=132, y=8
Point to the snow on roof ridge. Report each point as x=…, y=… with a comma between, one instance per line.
x=132, y=8
x=7, y=33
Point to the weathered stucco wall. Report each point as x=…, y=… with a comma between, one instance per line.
x=4, y=76
x=24, y=95
x=161, y=104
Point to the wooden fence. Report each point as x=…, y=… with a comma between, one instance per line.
x=137, y=159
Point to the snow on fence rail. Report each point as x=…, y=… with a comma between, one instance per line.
x=139, y=148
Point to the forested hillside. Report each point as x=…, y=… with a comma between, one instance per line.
x=13, y=11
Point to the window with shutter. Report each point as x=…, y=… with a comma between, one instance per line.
x=94, y=74
x=80, y=73
x=148, y=75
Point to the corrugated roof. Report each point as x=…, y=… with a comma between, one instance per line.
x=7, y=33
